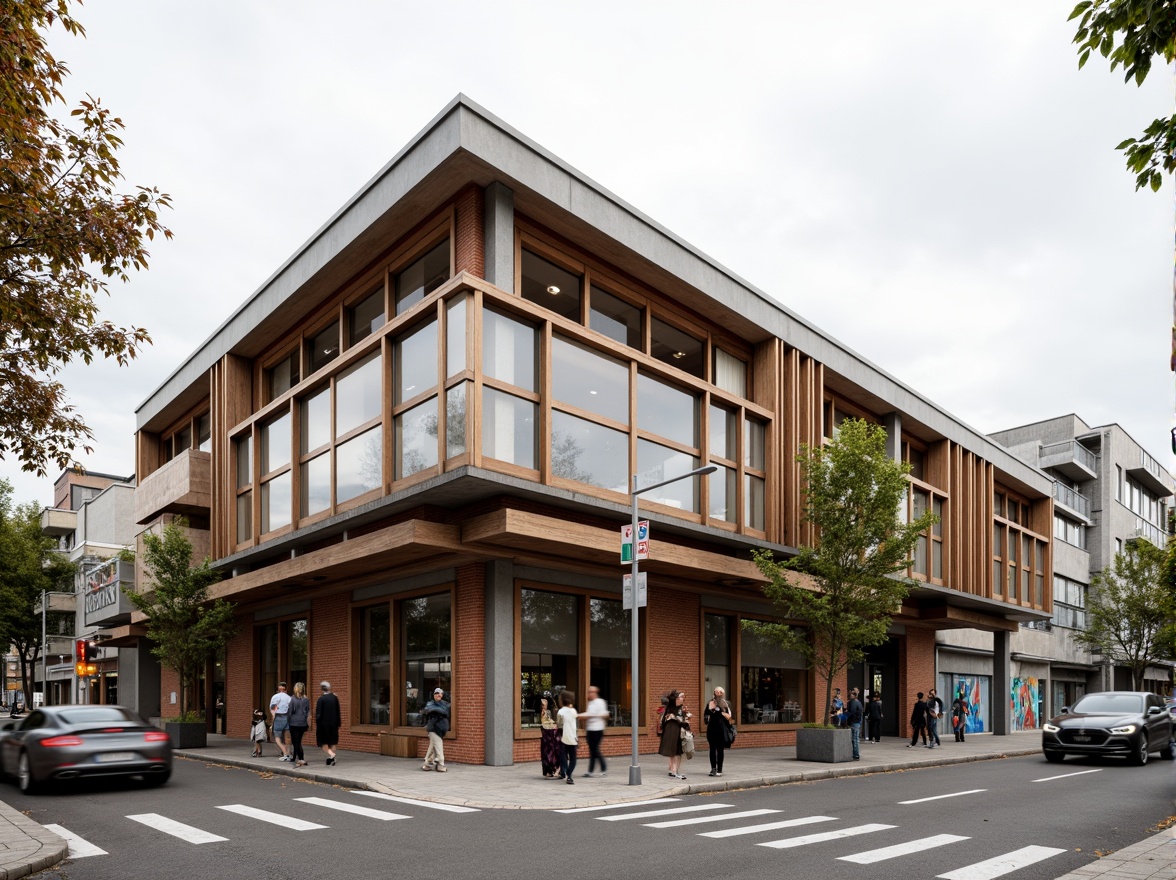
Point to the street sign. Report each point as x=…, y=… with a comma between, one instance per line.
x=627, y=591
x=642, y=542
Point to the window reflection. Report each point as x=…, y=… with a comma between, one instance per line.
x=549, y=648
x=322, y=348
x=316, y=420
x=773, y=681
x=366, y=316
x=416, y=362
x=455, y=419
x=676, y=347
x=589, y=381
x=416, y=439
x=358, y=395
x=723, y=498
x=656, y=463
x=589, y=453
x=275, y=503
x=508, y=428
x=316, y=485
x=667, y=411
x=275, y=444
x=426, y=633
x=421, y=278
x=358, y=465
x=455, y=335
x=610, y=632
x=375, y=649
x=508, y=350
x=550, y=286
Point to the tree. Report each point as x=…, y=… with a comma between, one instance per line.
x=1131, y=34
x=1130, y=615
x=188, y=630
x=64, y=233
x=838, y=597
x=28, y=566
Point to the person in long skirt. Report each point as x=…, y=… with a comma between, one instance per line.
x=549, y=745
x=675, y=719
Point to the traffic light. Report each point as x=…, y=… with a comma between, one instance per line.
x=85, y=657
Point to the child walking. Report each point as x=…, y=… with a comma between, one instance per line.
x=257, y=732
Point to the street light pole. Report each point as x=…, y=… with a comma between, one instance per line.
x=45, y=594
x=635, y=766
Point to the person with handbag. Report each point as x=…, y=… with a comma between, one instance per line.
x=959, y=716
x=675, y=721
x=720, y=729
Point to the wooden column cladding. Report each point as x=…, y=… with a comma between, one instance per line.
x=148, y=454
x=766, y=391
x=968, y=530
x=800, y=424
x=469, y=252
x=231, y=392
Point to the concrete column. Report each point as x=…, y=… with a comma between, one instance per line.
x=499, y=232
x=500, y=692
x=1002, y=681
x=892, y=422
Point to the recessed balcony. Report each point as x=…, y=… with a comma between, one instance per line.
x=1069, y=458
x=182, y=486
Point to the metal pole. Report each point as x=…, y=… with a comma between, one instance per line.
x=44, y=655
x=635, y=766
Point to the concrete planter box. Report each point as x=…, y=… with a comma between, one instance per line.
x=832, y=746
x=187, y=734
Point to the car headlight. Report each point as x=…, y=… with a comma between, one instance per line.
x=1125, y=729
x=1050, y=728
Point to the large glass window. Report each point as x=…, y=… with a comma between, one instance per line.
x=455, y=335
x=322, y=348
x=589, y=453
x=455, y=419
x=426, y=635
x=508, y=350
x=656, y=463
x=717, y=635
x=508, y=428
x=551, y=286
x=730, y=373
x=243, y=452
x=422, y=277
x=667, y=411
x=615, y=318
x=282, y=376
x=375, y=636
x=366, y=316
x=358, y=394
x=677, y=348
x=610, y=631
x=204, y=433
x=277, y=483
x=754, y=473
x=549, y=648
x=589, y=381
x=275, y=444
x=416, y=363
x=772, y=681
x=316, y=420
x=358, y=465
x=416, y=439
x=294, y=633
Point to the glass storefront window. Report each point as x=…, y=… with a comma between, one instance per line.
x=508, y=350
x=296, y=652
x=376, y=683
x=589, y=381
x=416, y=439
x=422, y=277
x=657, y=463
x=549, y=648
x=508, y=428
x=359, y=465
x=610, y=631
x=427, y=652
x=667, y=411
x=773, y=681
x=589, y=453
x=717, y=636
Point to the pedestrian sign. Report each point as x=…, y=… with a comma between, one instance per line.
x=642, y=542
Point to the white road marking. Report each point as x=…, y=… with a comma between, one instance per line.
x=670, y=812
x=768, y=826
x=698, y=820
x=805, y=840
x=902, y=849
x=628, y=806
x=1001, y=865
x=382, y=815
x=78, y=848
x=412, y=802
x=176, y=829
x=273, y=818
x=942, y=796
x=1067, y=775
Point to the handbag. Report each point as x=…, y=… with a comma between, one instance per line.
x=729, y=735
x=687, y=744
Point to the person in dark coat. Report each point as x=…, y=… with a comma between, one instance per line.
x=874, y=716
x=299, y=713
x=328, y=718
x=959, y=716
x=674, y=720
x=918, y=721
x=716, y=717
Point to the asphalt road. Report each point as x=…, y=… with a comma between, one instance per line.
x=954, y=822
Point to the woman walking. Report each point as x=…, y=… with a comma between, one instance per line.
x=549, y=741
x=299, y=715
x=716, y=718
x=959, y=716
x=567, y=723
x=674, y=720
x=328, y=718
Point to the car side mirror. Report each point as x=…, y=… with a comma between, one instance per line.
x=1153, y=710
x=1065, y=710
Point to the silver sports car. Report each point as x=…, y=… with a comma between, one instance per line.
x=58, y=743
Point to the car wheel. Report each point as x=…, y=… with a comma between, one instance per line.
x=24, y=775
x=1055, y=757
x=1140, y=755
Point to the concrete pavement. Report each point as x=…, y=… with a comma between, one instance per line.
x=26, y=847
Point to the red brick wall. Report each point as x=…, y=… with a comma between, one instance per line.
x=470, y=246
x=240, y=680
x=169, y=681
x=916, y=671
x=466, y=744
x=330, y=660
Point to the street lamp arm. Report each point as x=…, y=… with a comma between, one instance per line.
x=697, y=472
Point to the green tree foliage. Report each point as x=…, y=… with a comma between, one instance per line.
x=1130, y=615
x=28, y=565
x=1131, y=34
x=188, y=630
x=65, y=232
x=854, y=493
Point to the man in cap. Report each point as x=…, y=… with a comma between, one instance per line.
x=437, y=723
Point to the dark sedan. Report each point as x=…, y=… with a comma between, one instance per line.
x=1130, y=724
x=59, y=743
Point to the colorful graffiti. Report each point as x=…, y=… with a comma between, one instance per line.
x=973, y=690
x=1026, y=697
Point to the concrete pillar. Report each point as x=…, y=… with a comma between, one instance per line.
x=499, y=232
x=892, y=422
x=500, y=691
x=1002, y=681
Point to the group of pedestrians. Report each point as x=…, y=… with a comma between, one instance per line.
x=677, y=739
x=926, y=715
x=559, y=740
x=291, y=714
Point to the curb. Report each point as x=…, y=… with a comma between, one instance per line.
x=26, y=846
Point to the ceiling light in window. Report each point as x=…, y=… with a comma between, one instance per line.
x=552, y=289
x=679, y=354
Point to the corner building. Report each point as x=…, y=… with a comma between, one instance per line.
x=410, y=453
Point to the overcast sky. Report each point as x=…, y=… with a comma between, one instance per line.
x=933, y=184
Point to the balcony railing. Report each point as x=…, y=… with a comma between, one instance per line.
x=1147, y=531
x=1070, y=458
x=1151, y=465
x=1073, y=499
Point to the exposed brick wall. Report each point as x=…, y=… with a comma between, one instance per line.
x=470, y=247
x=330, y=660
x=916, y=672
x=467, y=742
x=169, y=681
x=240, y=680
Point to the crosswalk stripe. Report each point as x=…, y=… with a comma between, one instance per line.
x=1001, y=865
x=698, y=820
x=670, y=812
x=940, y=797
x=78, y=848
x=273, y=818
x=805, y=840
x=626, y=806
x=768, y=826
x=412, y=802
x=901, y=849
x=342, y=806
x=176, y=829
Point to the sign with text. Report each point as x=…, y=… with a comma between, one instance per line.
x=642, y=542
x=627, y=591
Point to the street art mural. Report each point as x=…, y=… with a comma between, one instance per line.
x=1026, y=703
x=974, y=691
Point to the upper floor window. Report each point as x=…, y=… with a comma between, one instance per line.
x=283, y=375
x=204, y=433
x=366, y=316
x=677, y=348
x=322, y=348
x=551, y=286
x=615, y=318
x=1069, y=531
x=730, y=373
x=927, y=562
x=421, y=277
x=510, y=403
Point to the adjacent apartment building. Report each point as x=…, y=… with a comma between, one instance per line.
x=410, y=453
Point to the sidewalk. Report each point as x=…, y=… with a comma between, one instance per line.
x=26, y=847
